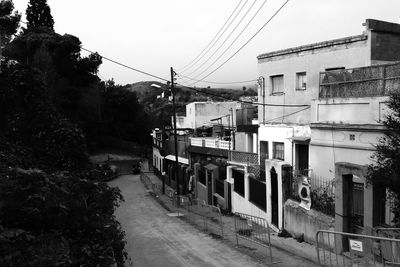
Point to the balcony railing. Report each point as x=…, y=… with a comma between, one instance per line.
x=369, y=81
x=244, y=157
x=211, y=143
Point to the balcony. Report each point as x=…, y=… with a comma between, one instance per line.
x=210, y=143
x=369, y=81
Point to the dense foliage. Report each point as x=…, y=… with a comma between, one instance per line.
x=53, y=211
x=385, y=171
x=38, y=15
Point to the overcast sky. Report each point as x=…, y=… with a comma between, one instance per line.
x=154, y=35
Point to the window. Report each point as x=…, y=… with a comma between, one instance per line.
x=277, y=84
x=352, y=137
x=334, y=68
x=301, y=81
x=278, y=150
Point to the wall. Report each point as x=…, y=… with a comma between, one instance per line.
x=333, y=123
x=300, y=222
x=201, y=113
x=282, y=133
x=157, y=164
x=361, y=110
x=242, y=204
x=316, y=58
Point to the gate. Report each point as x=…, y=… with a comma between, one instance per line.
x=254, y=229
x=347, y=249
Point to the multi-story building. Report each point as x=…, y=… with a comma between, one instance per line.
x=346, y=124
x=291, y=81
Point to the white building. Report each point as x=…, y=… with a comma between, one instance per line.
x=291, y=82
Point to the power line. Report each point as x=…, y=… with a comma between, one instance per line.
x=233, y=42
x=126, y=66
x=246, y=43
x=290, y=114
x=242, y=101
x=187, y=65
x=235, y=82
x=230, y=23
x=226, y=39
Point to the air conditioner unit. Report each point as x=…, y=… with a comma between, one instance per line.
x=304, y=192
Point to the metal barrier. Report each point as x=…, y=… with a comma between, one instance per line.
x=254, y=229
x=347, y=249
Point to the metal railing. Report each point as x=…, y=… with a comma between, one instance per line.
x=322, y=191
x=347, y=249
x=254, y=229
x=210, y=219
x=211, y=143
x=244, y=157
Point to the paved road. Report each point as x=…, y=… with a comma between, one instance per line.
x=155, y=239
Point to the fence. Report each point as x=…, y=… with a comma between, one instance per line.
x=346, y=249
x=210, y=219
x=254, y=229
x=322, y=191
x=360, y=82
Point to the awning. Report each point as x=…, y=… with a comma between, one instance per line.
x=300, y=138
x=211, y=166
x=180, y=159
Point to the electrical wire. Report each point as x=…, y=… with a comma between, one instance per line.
x=126, y=66
x=243, y=101
x=190, y=64
x=226, y=39
x=236, y=82
x=230, y=23
x=234, y=41
x=248, y=41
x=290, y=114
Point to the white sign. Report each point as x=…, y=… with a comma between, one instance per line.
x=356, y=245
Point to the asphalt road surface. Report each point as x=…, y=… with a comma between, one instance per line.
x=156, y=239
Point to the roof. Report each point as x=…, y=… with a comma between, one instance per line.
x=346, y=40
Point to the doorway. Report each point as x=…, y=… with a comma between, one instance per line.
x=209, y=187
x=274, y=197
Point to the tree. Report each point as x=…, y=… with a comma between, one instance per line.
x=385, y=169
x=8, y=23
x=38, y=15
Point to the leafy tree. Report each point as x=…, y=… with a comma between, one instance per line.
x=8, y=24
x=385, y=171
x=38, y=15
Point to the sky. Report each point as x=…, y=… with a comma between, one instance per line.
x=155, y=35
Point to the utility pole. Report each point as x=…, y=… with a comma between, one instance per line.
x=233, y=129
x=175, y=134
x=261, y=82
x=0, y=51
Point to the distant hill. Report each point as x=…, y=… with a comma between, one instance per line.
x=161, y=108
